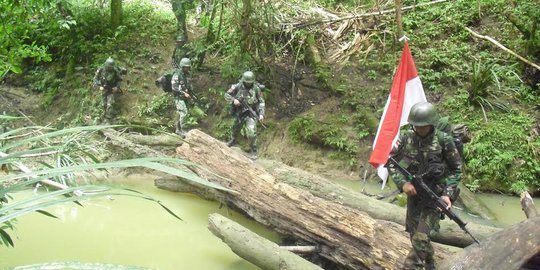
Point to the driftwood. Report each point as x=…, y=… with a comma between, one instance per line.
x=527, y=205
x=503, y=48
x=348, y=237
x=255, y=249
x=450, y=233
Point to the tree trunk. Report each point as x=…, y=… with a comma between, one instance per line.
x=449, y=234
x=245, y=25
x=255, y=249
x=508, y=249
x=346, y=236
x=116, y=14
x=399, y=24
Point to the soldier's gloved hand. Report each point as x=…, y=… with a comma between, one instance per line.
x=261, y=117
x=409, y=189
x=101, y=88
x=236, y=102
x=186, y=95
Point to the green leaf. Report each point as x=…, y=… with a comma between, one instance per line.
x=6, y=238
x=46, y=213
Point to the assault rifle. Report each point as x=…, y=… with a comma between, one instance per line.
x=418, y=183
x=251, y=111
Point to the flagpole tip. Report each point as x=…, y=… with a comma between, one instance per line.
x=404, y=38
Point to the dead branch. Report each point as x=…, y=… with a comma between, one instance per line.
x=503, y=48
x=357, y=16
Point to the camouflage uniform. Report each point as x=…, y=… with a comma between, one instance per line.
x=253, y=98
x=179, y=8
x=181, y=50
x=109, y=77
x=181, y=85
x=437, y=156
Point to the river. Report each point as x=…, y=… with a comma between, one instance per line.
x=132, y=231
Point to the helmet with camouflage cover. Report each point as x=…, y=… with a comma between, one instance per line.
x=248, y=77
x=423, y=114
x=109, y=62
x=185, y=62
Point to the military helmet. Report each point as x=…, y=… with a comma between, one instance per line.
x=185, y=62
x=109, y=62
x=423, y=114
x=248, y=77
x=181, y=38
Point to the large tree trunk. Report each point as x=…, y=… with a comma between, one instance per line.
x=346, y=236
x=116, y=13
x=254, y=248
x=449, y=234
x=509, y=249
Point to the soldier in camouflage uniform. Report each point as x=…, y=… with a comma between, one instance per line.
x=179, y=8
x=432, y=153
x=182, y=90
x=246, y=93
x=181, y=50
x=108, y=78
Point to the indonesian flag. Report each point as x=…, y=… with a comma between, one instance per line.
x=406, y=91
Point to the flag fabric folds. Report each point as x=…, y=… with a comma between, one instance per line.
x=406, y=91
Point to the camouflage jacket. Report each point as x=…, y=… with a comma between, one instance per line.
x=108, y=78
x=181, y=83
x=252, y=97
x=422, y=155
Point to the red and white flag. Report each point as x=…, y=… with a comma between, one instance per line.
x=406, y=91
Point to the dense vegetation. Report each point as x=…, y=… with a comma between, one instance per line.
x=56, y=46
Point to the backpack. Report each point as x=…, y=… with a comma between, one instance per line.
x=164, y=82
x=460, y=132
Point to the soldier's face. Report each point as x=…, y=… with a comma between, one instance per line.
x=186, y=69
x=248, y=85
x=423, y=131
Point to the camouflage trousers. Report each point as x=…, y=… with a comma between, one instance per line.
x=108, y=100
x=179, y=8
x=250, y=128
x=182, y=110
x=422, y=221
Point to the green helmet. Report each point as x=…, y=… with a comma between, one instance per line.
x=181, y=38
x=185, y=62
x=248, y=77
x=423, y=114
x=109, y=62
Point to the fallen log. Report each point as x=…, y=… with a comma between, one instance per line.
x=527, y=205
x=255, y=249
x=449, y=234
x=348, y=237
x=508, y=249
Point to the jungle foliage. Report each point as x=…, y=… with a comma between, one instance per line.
x=471, y=80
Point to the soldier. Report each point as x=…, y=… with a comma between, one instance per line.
x=179, y=8
x=181, y=50
x=108, y=78
x=182, y=90
x=428, y=151
x=247, y=107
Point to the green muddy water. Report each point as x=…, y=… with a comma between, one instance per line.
x=129, y=231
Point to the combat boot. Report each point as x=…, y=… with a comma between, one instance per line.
x=253, y=154
x=180, y=132
x=429, y=264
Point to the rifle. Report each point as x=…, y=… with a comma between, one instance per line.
x=251, y=111
x=419, y=184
